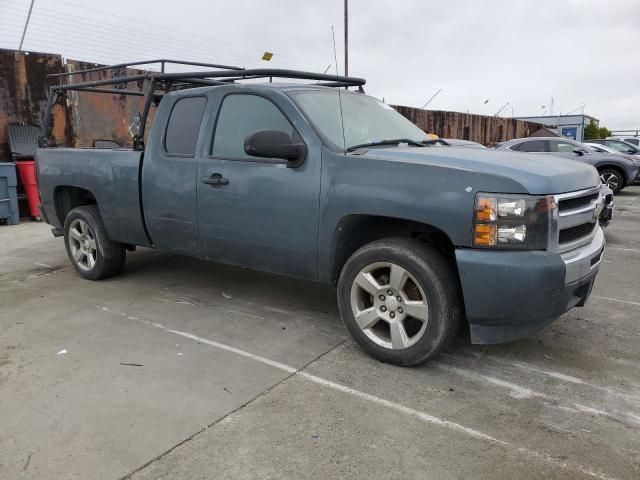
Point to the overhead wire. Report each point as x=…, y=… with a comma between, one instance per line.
x=107, y=42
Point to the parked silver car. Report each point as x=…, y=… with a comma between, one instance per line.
x=620, y=145
x=616, y=171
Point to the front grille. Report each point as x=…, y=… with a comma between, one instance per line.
x=577, y=202
x=572, y=234
x=575, y=220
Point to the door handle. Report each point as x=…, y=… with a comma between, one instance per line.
x=215, y=180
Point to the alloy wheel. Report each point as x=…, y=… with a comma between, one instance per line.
x=389, y=305
x=611, y=180
x=83, y=244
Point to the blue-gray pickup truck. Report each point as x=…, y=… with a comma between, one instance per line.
x=325, y=184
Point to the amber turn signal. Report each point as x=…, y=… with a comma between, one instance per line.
x=484, y=235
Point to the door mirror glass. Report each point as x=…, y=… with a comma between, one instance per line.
x=274, y=144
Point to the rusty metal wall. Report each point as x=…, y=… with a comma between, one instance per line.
x=82, y=118
x=101, y=116
x=22, y=94
x=78, y=120
x=478, y=128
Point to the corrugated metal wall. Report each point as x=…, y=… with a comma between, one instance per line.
x=466, y=126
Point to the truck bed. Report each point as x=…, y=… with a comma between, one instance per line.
x=111, y=176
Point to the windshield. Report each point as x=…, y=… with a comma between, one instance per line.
x=621, y=146
x=366, y=119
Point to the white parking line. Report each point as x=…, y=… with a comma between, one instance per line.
x=616, y=300
x=401, y=408
x=423, y=416
x=624, y=249
x=231, y=349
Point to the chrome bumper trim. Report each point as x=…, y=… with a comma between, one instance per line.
x=582, y=261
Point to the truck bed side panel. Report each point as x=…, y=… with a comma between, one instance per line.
x=110, y=175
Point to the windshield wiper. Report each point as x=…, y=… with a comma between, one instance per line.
x=394, y=141
x=435, y=141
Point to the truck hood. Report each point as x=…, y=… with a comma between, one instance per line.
x=537, y=173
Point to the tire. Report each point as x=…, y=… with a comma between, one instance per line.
x=91, y=252
x=416, y=274
x=613, y=178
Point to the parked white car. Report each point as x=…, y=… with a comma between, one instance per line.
x=628, y=138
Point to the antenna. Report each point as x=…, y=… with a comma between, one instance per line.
x=335, y=58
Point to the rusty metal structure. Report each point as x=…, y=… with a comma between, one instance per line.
x=122, y=81
x=82, y=118
x=23, y=94
x=466, y=126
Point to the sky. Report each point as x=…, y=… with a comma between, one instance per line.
x=480, y=55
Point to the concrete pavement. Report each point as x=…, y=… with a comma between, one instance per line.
x=186, y=369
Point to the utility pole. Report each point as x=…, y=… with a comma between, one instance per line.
x=346, y=38
x=26, y=24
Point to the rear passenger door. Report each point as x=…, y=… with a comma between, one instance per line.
x=169, y=175
x=261, y=214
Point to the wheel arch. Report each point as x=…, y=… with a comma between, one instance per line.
x=354, y=231
x=67, y=197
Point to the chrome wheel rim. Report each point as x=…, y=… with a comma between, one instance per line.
x=611, y=180
x=389, y=305
x=82, y=243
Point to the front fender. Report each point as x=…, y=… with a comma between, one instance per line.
x=438, y=196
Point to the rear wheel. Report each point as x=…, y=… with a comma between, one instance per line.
x=399, y=299
x=612, y=178
x=91, y=252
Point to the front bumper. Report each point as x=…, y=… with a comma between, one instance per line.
x=512, y=294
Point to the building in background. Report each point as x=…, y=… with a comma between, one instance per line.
x=570, y=126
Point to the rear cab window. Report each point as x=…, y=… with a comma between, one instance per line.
x=183, y=126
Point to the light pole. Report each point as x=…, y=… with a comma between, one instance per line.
x=346, y=38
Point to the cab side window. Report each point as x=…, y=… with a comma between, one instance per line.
x=240, y=115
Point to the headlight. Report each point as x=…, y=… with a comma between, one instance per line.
x=511, y=221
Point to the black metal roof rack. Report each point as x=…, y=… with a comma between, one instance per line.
x=160, y=82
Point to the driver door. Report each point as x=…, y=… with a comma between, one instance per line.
x=256, y=213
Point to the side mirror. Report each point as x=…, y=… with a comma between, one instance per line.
x=275, y=144
x=578, y=151
x=631, y=150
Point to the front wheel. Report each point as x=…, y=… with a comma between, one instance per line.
x=612, y=178
x=91, y=252
x=399, y=298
